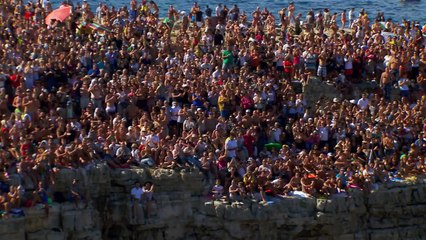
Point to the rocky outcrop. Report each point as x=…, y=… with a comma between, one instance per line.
x=394, y=211
x=316, y=90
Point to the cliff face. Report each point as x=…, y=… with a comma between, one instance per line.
x=395, y=211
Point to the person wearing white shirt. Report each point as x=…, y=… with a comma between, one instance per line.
x=44, y=3
x=351, y=17
x=135, y=153
x=276, y=133
x=324, y=134
x=153, y=140
x=279, y=58
x=218, y=9
x=217, y=190
x=348, y=65
x=216, y=73
x=363, y=102
x=174, y=110
x=231, y=145
x=136, y=194
x=403, y=86
x=99, y=11
x=113, y=147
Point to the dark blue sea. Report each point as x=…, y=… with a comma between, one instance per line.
x=413, y=10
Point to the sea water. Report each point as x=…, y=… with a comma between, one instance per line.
x=397, y=10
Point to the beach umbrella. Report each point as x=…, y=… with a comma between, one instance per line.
x=277, y=146
x=97, y=26
x=59, y=14
x=386, y=36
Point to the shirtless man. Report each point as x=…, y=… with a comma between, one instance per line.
x=322, y=67
x=385, y=83
x=96, y=94
x=256, y=16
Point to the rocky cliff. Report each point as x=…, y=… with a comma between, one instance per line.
x=395, y=211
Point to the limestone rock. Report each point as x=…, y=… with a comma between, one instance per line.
x=394, y=211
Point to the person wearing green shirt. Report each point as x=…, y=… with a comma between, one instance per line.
x=228, y=59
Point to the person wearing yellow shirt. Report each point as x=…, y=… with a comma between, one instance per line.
x=223, y=103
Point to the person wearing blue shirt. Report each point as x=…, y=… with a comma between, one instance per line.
x=111, y=56
x=196, y=100
x=94, y=72
x=342, y=180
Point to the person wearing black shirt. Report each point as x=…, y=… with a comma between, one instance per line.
x=234, y=13
x=218, y=38
x=199, y=16
x=224, y=14
x=208, y=11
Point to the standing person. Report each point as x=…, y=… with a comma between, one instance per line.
x=148, y=198
x=199, y=17
x=291, y=10
x=310, y=59
x=351, y=17
x=288, y=68
x=348, y=65
x=208, y=11
x=403, y=83
x=195, y=8
x=99, y=10
x=279, y=60
x=322, y=67
x=133, y=9
x=228, y=58
x=223, y=104
x=231, y=145
x=343, y=19
x=385, y=83
x=327, y=18
x=234, y=13
x=174, y=115
x=218, y=9
x=136, y=195
x=363, y=102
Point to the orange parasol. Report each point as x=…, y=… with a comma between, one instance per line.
x=59, y=14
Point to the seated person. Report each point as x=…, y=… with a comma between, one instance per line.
x=40, y=196
x=330, y=187
x=217, y=190
x=4, y=205
x=234, y=191
x=77, y=194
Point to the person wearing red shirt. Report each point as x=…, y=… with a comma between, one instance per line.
x=288, y=68
x=25, y=148
x=15, y=80
x=249, y=140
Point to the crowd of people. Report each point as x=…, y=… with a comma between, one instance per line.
x=209, y=90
